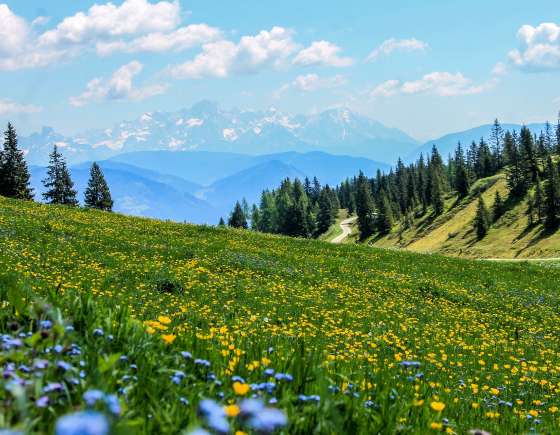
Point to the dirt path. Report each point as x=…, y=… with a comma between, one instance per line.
x=346, y=226
x=518, y=260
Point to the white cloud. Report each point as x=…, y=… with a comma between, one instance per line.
x=539, y=48
x=391, y=45
x=223, y=58
x=119, y=87
x=180, y=39
x=13, y=31
x=312, y=82
x=132, y=17
x=386, y=89
x=322, y=53
x=8, y=107
x=443, y=84
x=40, y=21
x=500, y=69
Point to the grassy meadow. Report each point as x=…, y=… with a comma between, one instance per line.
x=155, y=317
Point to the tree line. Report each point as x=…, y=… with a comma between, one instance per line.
x=299, y=209
x=408, y=192
x=59, y=187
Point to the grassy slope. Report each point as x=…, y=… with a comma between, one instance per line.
x=452, y=233
x=334, y=315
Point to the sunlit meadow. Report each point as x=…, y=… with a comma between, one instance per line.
x=149, y=319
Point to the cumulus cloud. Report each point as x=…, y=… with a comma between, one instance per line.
x=133, y=26
x=180, y=39
x=539, y=48
x=252, y=53
x=312, y=83
x=119, y=87
x=8, y=107
x=13, y=31
x=322, y=53
x=391, y=45
x=443, y=84
x=132, y=17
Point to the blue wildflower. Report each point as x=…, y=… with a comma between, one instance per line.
x=82, y=423
x=45, y=324
x=52, y=387
x=42, y=402
x=98, y=332
x=268, y=420
x=202, y=362
x=186, y=355
x=113, y=404
x=64, y=366
x=91, y=397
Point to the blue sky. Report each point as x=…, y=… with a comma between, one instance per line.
x=428, y=67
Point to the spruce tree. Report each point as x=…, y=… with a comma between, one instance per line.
x=237, y=218
x=255, y=218
x=539, y=201
x=482, y=219
x=384, y=218
x=552, y=200
x=498, y=208
x=461, y=175
x=59, y=184
x=325, y=216
x=97, y=194
x=496, y=137
x=14, y=175
x=364, y=207
x=221, y=223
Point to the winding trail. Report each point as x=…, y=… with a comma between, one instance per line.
x=346, y=226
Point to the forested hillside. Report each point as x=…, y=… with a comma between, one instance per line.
x=498, y=197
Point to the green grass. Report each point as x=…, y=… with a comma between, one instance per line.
x=340, y=319
x=452, y=232
x=335, y=230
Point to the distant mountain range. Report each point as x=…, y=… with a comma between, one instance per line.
x=207, y=127
x=200, y=187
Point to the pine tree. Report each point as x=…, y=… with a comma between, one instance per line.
x=14, y=175
x=255, y=218
x=539, y=201
x=461, y=175
x=516, y=178
x=97, y=194
x=482, y=219
x=59, y=184
x=325, y=216
x=552, y=200
x=528, y=155
x=221, y=223
x=384, y=218
x=237, y=218
x=364, y=207
x=496, y=137
x=498, y=208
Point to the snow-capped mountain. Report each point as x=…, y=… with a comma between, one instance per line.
x=207, y=127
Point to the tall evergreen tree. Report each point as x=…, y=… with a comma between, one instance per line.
x=364, y=207
x=97, y=194
x=14, y=175
x=496, y=137
x=59, y=184
x=498, y=209
x=384, y=218
x=516, y=177
x=255, y=218
x=552, y=200
x=325, y=216
x=482, y=219
x=528, y=155
x=461, y=174
x=221, y=223
x=539, y=201
x=237, y=218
